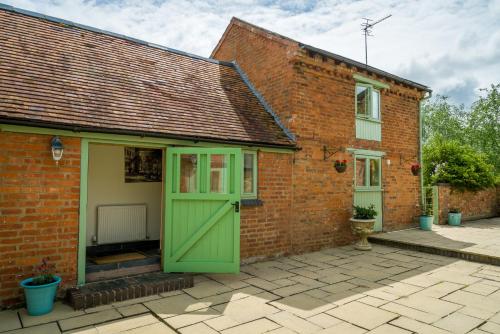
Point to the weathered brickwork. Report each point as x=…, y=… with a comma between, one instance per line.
x=265, y=230
x=473, y=205
x=39, y=203
x=314, y=97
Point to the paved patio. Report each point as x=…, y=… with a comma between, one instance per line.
x=478, y=240
x=340, y=290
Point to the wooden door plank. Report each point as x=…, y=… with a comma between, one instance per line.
x=201, y=231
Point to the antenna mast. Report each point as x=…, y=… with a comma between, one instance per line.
x=367, y=30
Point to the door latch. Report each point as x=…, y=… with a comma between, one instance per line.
x=236, y=206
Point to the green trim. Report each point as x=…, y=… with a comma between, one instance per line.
x=374, y=83
x=252, y=195
x=367, y=159
x=420, y=153
x=363, y=152
x=368, y=119
x=82, y=225
x=420, y=146
x=435, y=204
x=132, y=140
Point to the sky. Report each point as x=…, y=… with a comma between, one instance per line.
x=451, y=46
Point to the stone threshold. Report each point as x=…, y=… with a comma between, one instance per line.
x=120, y=289
x=436, y=250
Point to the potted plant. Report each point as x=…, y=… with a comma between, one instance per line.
x=415, y=168
x=362, y=225
x=454, y=217
x=40, y=290
x=426, y=219
x=340, y=165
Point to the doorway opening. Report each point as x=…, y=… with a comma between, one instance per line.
x=124, y=211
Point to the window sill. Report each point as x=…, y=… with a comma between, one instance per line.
x=368, y=189
x=368, y=119
x=251, y=202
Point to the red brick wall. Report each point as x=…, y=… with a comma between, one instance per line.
x=473, y=205
x=39, y=210
x=314, y=97
x=265, y=230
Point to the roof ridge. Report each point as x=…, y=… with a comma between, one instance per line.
x=49, y=18
x=352, y=62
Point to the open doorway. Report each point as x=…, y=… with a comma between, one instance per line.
x=124, y=211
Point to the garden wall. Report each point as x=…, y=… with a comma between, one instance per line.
x=473, y=205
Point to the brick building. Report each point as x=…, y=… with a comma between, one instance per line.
x=210, y=161
x=320, y=97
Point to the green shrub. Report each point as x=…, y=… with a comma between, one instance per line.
x=448, y=161
x=361, y=212
x=428, y=211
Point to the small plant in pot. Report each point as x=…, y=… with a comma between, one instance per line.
x=340, y=165
x=454, y=217
x=362, y=224
x=40, y=290
x=426, y=219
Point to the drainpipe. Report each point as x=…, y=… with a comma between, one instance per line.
x=420, y=153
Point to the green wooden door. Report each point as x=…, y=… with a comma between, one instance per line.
x=202, y=218
x=368, y=184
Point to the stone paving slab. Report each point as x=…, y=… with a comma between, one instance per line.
x=341, y=290
x=477, y=241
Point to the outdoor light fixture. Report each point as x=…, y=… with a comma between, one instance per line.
x=57, y=149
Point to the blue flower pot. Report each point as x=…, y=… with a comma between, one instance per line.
x=426, y=223
x=40, y=298
x=454, y=219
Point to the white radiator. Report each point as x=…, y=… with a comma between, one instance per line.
x=121, y=223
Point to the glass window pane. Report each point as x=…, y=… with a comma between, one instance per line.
x=376, y=104
x=188, y=173
x=361, y=100
x=374, y=172
x=218, y=171
x=248, y=173
x=360, y=172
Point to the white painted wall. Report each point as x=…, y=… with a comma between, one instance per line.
x=106, y=186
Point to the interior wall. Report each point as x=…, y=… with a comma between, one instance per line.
x=106, y=186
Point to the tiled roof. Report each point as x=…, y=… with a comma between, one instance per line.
x=60, y=74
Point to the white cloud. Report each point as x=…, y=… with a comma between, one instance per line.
x=451, y=46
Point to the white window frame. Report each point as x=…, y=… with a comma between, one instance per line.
x=252, y=195
x=370, y=89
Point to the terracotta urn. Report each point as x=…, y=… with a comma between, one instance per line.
x=362, y=228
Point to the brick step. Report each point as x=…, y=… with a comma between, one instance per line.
x=455, y=253
x=120, y=289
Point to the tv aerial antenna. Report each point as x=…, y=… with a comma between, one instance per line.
x=367, y=28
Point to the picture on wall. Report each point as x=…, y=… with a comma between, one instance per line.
x=143, y=165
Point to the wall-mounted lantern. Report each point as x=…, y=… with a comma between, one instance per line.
x=57, y=149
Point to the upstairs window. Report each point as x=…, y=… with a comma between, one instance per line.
x=367, y=102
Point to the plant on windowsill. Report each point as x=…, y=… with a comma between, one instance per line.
x=454, y=217
x=426, y=219
x=40, y=290
x=415, y=169
x=340, y=165
x=362, y=224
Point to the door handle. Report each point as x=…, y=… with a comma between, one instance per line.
x=236, y=206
